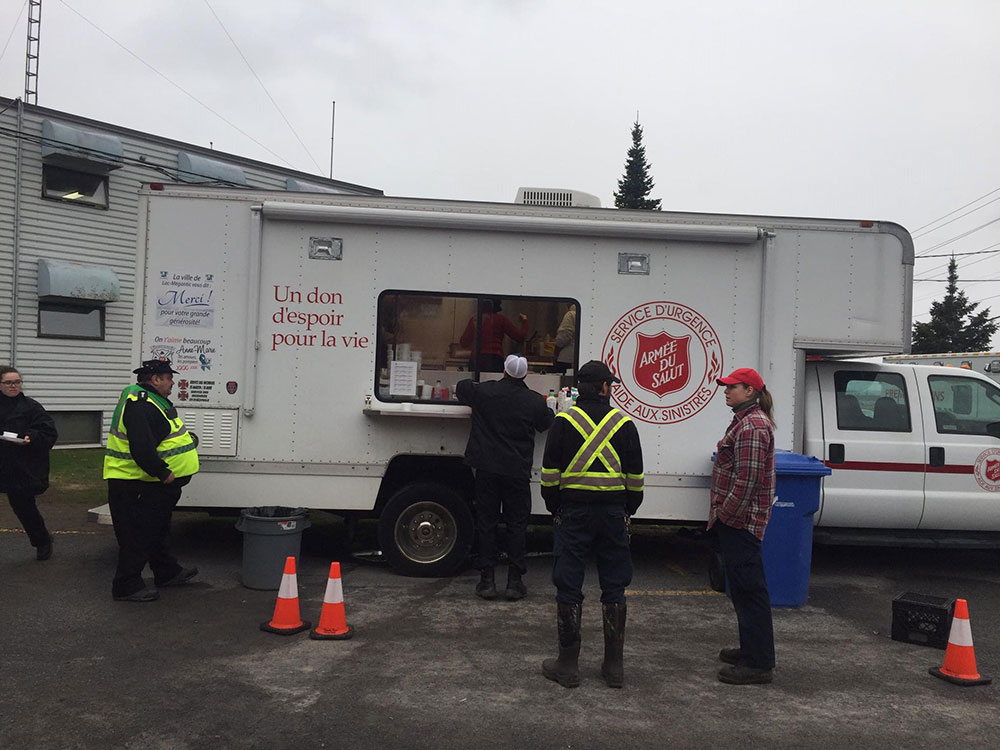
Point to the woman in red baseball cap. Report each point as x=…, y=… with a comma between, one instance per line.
x=741, y=496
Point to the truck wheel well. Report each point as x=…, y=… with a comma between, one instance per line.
x=406, y=469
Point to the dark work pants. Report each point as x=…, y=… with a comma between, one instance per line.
x=24, y=507
x=140, y=512
x=580, y=529
x=499, y=496
x=748, y=590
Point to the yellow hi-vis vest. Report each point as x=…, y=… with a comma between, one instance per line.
x=596, y=466
x=177, y=448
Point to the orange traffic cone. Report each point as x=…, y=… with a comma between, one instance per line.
x=332, y=623
x=960, y=658
x=286, y=619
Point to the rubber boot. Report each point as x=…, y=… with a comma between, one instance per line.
x=613, y=669
x=486, y=588
x=565, y=669
x=515, y=586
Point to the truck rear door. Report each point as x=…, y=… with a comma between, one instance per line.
x=873, y=441
x=962, y=421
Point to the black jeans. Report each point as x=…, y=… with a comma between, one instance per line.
x=507, y=497
x=140, y=512
x=582, y=528
x=748, y=590
x=24, y=507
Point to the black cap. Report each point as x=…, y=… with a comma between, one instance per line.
x=596, y=371
x=155, y=367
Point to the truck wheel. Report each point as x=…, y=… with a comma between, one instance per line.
x=426, y=530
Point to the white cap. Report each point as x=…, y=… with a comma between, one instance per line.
x=515, y=366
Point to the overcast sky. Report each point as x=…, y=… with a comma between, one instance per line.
x=881, y=109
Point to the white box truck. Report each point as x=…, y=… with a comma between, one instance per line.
x=319, y=339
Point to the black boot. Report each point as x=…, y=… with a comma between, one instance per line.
x=613, y=669
x=565, y=669
x=515, y=586
x=486, y=588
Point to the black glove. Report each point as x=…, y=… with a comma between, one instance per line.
x=552, y=506
x=632, y=507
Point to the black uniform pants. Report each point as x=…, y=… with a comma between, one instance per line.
x=140, y=512
x=748, y=590
x=24, y=507
x=499, y=496
x=584, y=528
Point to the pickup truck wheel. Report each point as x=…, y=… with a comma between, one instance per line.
x=426, y=530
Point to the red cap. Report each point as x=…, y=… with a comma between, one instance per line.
x=746, y=375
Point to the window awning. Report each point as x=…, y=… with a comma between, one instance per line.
x=75, y=282
x=83, y=150
x=195, y=168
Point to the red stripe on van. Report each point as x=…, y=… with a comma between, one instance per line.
x=895, y=466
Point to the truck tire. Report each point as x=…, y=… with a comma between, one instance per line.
x=426, y=530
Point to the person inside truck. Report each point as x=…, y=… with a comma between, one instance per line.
x=742, y=491
x=496, y=325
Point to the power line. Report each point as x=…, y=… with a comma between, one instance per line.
x=176, y=86
x=254, y=72
x=958, y=236
x=957, y=209
x=986, y=250
x=13, y=29
x=962, y=216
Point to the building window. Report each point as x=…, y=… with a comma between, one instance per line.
x=63, y=321
x=428, y=341
x=61, y=184
x=78, y=427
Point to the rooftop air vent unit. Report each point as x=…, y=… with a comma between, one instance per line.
x=556, y=197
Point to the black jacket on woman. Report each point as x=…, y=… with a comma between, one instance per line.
x=25, y=468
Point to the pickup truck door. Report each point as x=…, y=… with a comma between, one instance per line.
x=963, y=462
x=873, y=442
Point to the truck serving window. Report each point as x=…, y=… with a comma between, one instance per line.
x=428, y=341
x=868, y=400
x=964, y=406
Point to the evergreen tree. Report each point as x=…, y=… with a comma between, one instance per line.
x=636, y=183
x=948, y=330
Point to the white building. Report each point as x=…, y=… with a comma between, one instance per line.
x=68, y=223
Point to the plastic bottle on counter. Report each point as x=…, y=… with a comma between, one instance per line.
x=436, y=391
x=565, y=400
x=552, y=402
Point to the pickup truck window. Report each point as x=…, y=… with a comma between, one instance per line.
x=964, y=406
x=428, y=341
x=873, y=401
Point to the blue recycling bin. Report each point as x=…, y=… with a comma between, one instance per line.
x=787, y=546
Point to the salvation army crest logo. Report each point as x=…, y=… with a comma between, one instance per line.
x=662, y=363
x=667, y=356
x=987, y=469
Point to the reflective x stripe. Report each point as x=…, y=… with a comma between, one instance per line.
x=597, y=440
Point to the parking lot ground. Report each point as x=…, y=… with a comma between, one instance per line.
x=431, y=666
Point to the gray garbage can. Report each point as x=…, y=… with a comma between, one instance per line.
x=270, y=534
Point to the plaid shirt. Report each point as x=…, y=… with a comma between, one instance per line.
x=743, y=477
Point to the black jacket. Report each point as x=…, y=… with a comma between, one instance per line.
x=564, y=441
x=505, y=416
x=25, y=468
x=146, y=429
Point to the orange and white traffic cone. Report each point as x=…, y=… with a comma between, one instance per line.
x=960, y=658
x=286, y=620
x=332, y=618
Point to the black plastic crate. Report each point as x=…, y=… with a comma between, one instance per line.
x=921, y=619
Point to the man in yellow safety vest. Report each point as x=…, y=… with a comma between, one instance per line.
x=150, y=456
x=592, y=482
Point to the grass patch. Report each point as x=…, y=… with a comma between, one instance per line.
x=77, y=470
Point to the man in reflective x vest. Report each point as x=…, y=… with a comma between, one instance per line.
x=592, y=481
x=150, y=456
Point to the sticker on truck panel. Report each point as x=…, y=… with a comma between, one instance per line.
x=667, y=356
x=987, y=469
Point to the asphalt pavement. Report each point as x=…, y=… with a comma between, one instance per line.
x=431, y=666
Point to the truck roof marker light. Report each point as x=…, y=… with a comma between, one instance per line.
x=867, y=224
x=156, y=186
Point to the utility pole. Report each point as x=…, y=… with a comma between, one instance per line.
x=333, y=122
x=31, y=57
